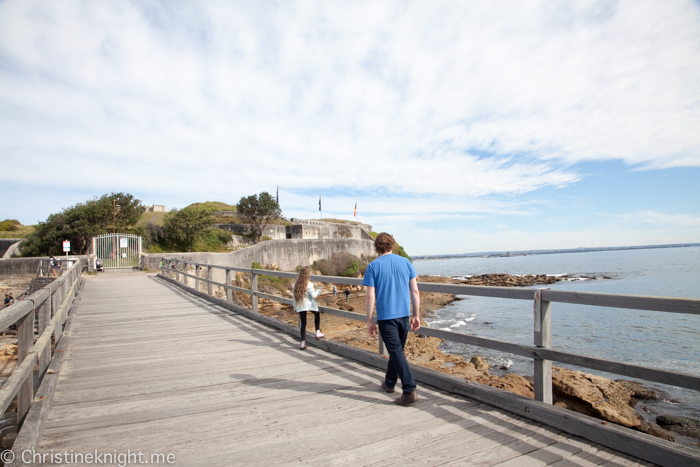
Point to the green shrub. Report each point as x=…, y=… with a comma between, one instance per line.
x=256, y=265
x=9, y=225
x=340, y=264
x=352, y=270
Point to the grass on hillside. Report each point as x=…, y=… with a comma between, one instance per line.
x=147, y=216
x=11, y=228
x=213, y=206
x=214, y=240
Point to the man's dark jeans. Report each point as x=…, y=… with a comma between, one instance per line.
x=394, y=333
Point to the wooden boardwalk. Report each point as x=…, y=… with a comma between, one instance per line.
x=153, y=369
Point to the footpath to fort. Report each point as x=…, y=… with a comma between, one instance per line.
x=155, y=370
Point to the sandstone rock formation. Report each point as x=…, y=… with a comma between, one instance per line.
x=595, y=396
x=508, y=280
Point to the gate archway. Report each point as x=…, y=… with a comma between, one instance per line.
x=117, y=250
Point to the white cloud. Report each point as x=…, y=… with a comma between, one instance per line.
x=429, y=104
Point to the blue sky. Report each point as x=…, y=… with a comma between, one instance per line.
x=456, y=126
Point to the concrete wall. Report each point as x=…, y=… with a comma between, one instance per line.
x=288, y=254
x=22, y=266
x=321, y=229
x=6, y=243
x=274, y=231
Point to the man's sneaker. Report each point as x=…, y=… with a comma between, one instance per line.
x=406, y=399
x=387, y=388
x=319, y=334
x=302, y=346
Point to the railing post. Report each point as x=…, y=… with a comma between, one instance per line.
x=25, y=341
x=209, y=286
x=44, y=318
x=197, y=267
x=229, y=292
x=254, y=288
x=177, y=270
x=57, y=299
x=543, y=340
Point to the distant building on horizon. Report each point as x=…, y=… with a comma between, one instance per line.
x=155, y=208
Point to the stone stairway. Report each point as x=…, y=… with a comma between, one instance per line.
x=38, y=283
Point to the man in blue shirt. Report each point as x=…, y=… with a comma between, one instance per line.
x=391, y=284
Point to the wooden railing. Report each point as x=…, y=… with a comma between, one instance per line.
x=51, y=306
x=542, y=299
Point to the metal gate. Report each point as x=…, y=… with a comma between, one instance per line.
x=117, y=250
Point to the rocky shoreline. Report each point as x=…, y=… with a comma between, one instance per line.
x=609, y=400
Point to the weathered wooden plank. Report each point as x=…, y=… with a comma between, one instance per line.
x=25, y=339
x=674, y=378
x=13, y=384
x=33, y=427
x=477, y=290
x=542, y=340
x=636, y=302
x=13, y=313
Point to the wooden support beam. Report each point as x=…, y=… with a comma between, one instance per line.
x=229, y=292
x=543, y=340
x=209, y=283
x=44, y=317
x=254, y=288
x=25, y=341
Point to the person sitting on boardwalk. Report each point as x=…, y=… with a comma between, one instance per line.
x=391, y=282
x=305, y=300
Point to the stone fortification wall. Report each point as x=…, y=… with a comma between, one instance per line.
x=6, y=243
x=275, y=231
x=307, y=228
x=288, y=254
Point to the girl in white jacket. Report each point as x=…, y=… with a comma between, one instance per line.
x=305, y=300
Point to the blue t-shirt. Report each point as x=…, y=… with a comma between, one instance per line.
x=390, y=276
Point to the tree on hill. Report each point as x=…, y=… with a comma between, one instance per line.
x=185, y=226
x=258, y=210
x=344, y=231
x=79, y=223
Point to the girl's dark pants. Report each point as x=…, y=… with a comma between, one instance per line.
x=302, y=322
x=394, y=333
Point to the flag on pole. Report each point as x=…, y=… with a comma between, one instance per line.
x=319, y=202
x=354, y=214
x=278, y=194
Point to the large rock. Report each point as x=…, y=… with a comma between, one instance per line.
x=515, y=384
x=639, y=391
x=655, y=430
x=681, y=425
x=595, y=396
x=480, y=364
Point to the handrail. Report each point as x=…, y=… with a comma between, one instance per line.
x=541, y=351
x=52, y=304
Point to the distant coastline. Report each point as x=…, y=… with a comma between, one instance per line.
x=505, y=254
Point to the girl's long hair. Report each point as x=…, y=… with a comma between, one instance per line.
x=301, y=284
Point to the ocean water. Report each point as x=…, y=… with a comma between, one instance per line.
x=653, y=339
